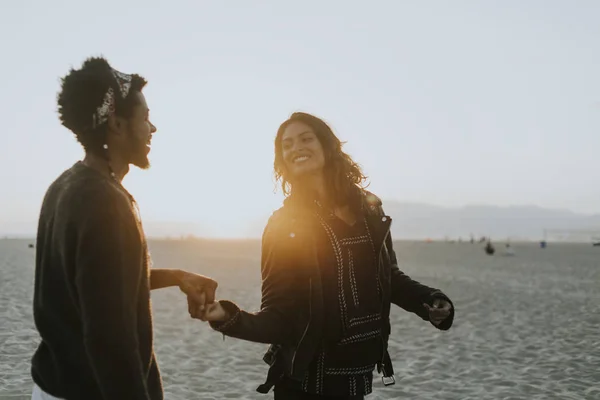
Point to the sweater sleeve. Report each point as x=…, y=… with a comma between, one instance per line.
x=109, y=264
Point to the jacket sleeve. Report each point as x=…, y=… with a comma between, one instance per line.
x=274, y=323
x=108, y=274
x=410, y=294
x=406, y=292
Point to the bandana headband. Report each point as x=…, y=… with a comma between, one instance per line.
x=107, y=108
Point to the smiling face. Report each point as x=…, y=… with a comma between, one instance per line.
x=137, y=138
x=302, y=151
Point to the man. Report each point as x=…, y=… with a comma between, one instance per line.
x=93, y=280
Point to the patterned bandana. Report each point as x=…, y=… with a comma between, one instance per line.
x=107, y=108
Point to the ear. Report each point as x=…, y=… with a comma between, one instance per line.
x=116, y=124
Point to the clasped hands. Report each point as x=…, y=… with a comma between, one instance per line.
x=200, y=291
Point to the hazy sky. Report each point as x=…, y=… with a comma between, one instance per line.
x=444, y=102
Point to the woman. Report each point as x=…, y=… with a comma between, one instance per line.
x=329, y=275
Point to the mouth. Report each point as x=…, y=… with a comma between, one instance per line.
x=149, y=142
x=300, y=159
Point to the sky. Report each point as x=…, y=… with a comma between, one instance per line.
x=446, y=103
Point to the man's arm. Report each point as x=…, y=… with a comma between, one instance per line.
x=109, y=267
x=199, y=289
x=162, y=278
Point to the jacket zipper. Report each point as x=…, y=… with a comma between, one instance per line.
x=382, y=289
x=307, y=324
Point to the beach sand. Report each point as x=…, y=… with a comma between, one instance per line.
x=526, y=327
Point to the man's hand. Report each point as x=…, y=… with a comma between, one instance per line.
x=199, y=289
x=439, y=311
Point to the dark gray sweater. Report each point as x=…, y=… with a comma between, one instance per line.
x=92, y=294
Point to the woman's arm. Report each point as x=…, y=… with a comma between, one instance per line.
x=410, y=294
x=279, y=311
x=406, y=292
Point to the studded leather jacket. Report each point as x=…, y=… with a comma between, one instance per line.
x=291, y=313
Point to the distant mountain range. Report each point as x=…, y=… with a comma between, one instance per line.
x=422, y=221
x=416, y=221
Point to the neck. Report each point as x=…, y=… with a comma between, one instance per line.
x=118, y=166
x=318, y=186
x=315, y=185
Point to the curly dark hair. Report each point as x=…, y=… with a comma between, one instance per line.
x=344, y=177
x=83, y=90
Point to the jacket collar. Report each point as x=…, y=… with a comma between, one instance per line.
x=301, y=214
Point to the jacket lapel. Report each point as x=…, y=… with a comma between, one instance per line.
x=379, y=227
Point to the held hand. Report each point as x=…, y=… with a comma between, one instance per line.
x=200, y=289
x=213, y=312
x=439, y=311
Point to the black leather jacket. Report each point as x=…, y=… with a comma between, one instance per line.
x=291, y=312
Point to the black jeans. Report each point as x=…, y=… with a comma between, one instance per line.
x=283, y=392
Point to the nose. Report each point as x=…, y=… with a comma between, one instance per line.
x=297, y=146
x=152, y=128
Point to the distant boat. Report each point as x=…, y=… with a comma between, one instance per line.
x=31, y=246
x=596, y=244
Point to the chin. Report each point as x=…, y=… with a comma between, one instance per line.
x=305, y=171
x=141, y=162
